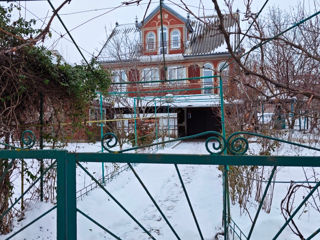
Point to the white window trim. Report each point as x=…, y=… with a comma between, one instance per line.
x=204, y=91
x=226, y=70
x=179, y=39
x=152, y=78
x=98, y=110
x=176, y=73
x=165, y=29
x=154, y=41
x=118, y=75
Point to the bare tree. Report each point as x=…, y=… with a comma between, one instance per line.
x=282, y=57
x=134, y=104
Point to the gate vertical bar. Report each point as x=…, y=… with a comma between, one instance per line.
x=135, y=122
x=226, y=168
x=168, y=120
x=66, y=197
x=155, y=121
x=101, y=133
x=261, y=202
x=262, y=113
x=41, y=145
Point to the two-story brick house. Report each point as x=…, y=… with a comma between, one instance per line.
x=166, y=46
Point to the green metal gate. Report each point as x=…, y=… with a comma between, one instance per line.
x=235, y=145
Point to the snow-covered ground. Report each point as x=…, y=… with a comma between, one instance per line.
x=204, y=185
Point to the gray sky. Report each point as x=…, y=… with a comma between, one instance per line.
x=90, y=20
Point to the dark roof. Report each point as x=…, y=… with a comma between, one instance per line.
x=207, y=38
x=164, y=6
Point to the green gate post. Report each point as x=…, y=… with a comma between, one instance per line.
x=66, y=197
x=168, y=121
x=155, y=121
x=101, y=133
x=226, y=204
x=135, y=123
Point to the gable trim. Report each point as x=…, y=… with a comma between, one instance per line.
x=164, y=6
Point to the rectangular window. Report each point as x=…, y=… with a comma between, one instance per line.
x=177, y=72
x=207, y=85
x=175, y=42
x=119, y=76
x=175, y=39
x=151, y=41
x=95, y=116
x=163, y=35
x=149, y=75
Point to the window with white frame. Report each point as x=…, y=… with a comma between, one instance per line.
x=149, y=75
x=207, y=80
x=119, y=76
x=177, y=72
x=163, y=45
x=224, y=69
x=150, y=41
x=95, y=116
x=175, y=39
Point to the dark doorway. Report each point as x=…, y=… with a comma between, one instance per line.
x=202, y=119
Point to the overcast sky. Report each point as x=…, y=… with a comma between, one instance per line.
x=91, y=20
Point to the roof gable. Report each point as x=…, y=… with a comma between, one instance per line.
x=157, y=9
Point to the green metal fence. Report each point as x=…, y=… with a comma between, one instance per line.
x=236, y=144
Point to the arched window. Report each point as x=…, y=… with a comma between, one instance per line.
x=207, y=82
x=223, y=68
x=163, y=45
x=175, y=39
x=151, y=40
x=223, y=71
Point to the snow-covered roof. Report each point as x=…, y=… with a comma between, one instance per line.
x=122, y=44
x=174, y=101
x=125, y=43
x=207, y=38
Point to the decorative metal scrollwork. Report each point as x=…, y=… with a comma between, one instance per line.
x=28, y=140
x=237, y=145
x=109, y=140
x=218, y=144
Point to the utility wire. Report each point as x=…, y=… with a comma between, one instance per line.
x=68, y=31
x=261, y=9
x=97, y=9
x=74, y=42
x=59, y=34
x=85, y=22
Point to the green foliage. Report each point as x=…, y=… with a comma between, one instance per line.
x=30, y=71
x=81, y=82
x=18, y=29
